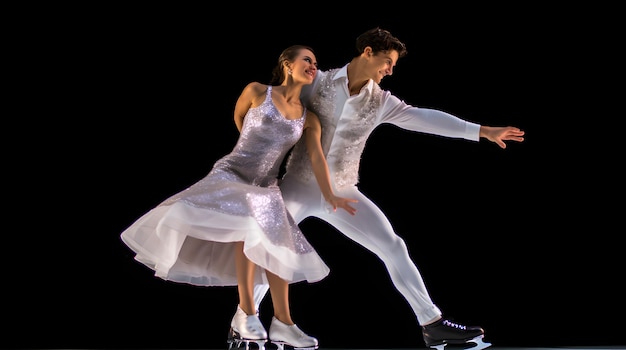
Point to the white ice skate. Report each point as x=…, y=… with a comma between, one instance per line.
x=291, y=336
x=246, y=329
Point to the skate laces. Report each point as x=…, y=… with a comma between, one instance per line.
x=454, y=325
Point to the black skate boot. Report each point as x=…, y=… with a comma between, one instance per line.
x=443, y=332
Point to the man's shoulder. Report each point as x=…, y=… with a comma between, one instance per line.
x=330, y=72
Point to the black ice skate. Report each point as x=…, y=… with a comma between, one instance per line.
x=443, y=332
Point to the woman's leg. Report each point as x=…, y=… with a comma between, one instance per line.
x=282, y=330
x=245, y=280
x=246, y=325
x=279, y=289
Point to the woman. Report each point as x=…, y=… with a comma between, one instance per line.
x=232, y=227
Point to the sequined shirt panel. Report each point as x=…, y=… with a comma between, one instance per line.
x=348, y=120
x=343, y=140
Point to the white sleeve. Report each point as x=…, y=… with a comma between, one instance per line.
x=431, y=121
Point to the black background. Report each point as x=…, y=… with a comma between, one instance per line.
x=135, y=104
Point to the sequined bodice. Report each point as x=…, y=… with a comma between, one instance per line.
x=265, y=139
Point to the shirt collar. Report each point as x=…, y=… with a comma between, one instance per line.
x=343, y=73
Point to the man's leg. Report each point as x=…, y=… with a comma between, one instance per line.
x=371, y=229
x=260, y=290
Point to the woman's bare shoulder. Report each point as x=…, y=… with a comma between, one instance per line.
x=256, y=88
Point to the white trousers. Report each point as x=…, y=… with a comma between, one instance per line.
x=369, y=228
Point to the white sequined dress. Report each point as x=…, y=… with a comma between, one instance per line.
x=189, y=237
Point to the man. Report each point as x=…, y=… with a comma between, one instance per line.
x=350, y=105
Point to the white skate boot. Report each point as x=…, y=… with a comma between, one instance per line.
x=246, y=329
x=290, y=335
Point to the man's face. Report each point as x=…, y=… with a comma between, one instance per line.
x=381, y=64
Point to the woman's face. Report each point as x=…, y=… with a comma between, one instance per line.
x=304, y=67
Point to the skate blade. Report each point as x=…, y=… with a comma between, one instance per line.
x=480, y=344
x=246, y=344
x=472, y=344
x=284, y=346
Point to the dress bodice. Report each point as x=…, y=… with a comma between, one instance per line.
x=265, y=139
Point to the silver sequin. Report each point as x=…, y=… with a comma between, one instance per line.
x=244, y=182
x=349, y=137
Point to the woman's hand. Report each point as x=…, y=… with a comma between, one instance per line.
x=341, y=202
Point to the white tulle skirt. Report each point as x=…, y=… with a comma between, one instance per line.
x=185, y=243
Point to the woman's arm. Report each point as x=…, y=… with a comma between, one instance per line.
x=313, y=134
x=250, y=97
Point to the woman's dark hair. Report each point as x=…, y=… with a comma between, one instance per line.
x=288, y=55
x=380, y=40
